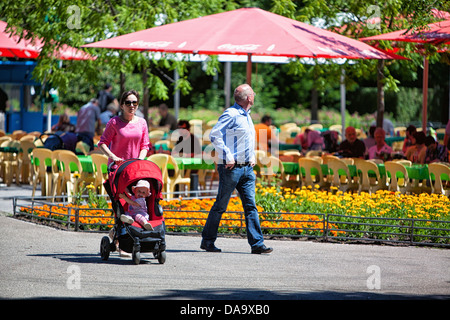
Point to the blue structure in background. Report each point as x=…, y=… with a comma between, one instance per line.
x=20, y=73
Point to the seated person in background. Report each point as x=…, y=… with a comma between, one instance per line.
x=388, y=126
x=436, y=152
x=380, y=150
x=110, y=112
x=310, y=140
x=370, y=140
x=264, y=134
x=137, y=205
x=352, y=147
x=167, y=119
x=63, y=124
x=187, y=145
x=408, y=139
x=416, y=153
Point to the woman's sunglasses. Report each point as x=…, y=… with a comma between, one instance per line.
x=129, y=103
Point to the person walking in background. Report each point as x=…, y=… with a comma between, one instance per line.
x=105, y=97
x=4, y=105
x=234, y=140
x=88, y=122
x=125, y=136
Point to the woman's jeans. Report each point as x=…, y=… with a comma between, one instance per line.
x=243, y=180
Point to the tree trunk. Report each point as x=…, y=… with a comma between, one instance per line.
x=314, y=105
x=380, y=93
x=145, y=94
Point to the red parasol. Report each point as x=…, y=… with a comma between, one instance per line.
x=435, y=33
x=12, y=46
x=246, y=31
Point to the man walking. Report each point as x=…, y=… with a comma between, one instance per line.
x=233, y=138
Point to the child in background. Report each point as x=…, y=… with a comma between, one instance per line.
x=137, y=206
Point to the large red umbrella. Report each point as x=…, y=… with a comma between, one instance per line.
x=12, y=46
x=246, y=31
x=435, y=33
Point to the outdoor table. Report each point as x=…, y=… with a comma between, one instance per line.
x=9, y=149
x=161, y=146
x=193, y=164
x=287, y=146
x=291, y=168
x=190, y=164
x=391, y=140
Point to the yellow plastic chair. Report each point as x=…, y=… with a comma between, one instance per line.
x=99, y=164
x=397, y=184
x=156, y=135
x=82, y=147
x=72, y=180
x=366, y=183
x=310, y=180
x=315, y=126
x=339, y=175
x=25, y=168
x=41, y=174
x=10, y=162
x=271, y=167
x=314, y=153
x=177, y=178
x=211, y=123
x=169, y=144
x=28, y=137
x=327, y=157
x=57, y=175
x=285, y=126
x=436, y=170
x=404, y=162
x=162, y=160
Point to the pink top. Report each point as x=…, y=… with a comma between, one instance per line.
x=125, y=140
x=375, y=153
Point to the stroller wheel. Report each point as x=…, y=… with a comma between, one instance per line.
x=104, y=248
x=136, y=256
x=162, y=257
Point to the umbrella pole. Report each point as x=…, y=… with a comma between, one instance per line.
x=249, y=69
x=425, y=94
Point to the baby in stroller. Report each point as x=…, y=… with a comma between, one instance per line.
x=137, y=206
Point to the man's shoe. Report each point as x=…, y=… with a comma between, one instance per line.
x=262, y=249
x=210, y=248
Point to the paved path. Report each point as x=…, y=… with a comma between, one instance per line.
x=43, y=262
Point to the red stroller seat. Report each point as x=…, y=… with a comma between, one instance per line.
x=133, y=238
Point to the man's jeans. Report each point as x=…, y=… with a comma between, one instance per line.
x=243, y=180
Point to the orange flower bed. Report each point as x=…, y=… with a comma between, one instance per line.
x=87, y=215
x=186, y=213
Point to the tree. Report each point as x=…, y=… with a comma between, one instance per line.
x=80, y=21
x=360, y=19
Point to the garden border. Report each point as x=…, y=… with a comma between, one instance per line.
x=405, y=231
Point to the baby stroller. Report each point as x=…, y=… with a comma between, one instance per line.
x=133, y=238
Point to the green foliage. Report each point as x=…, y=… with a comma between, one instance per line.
x=289, y=86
